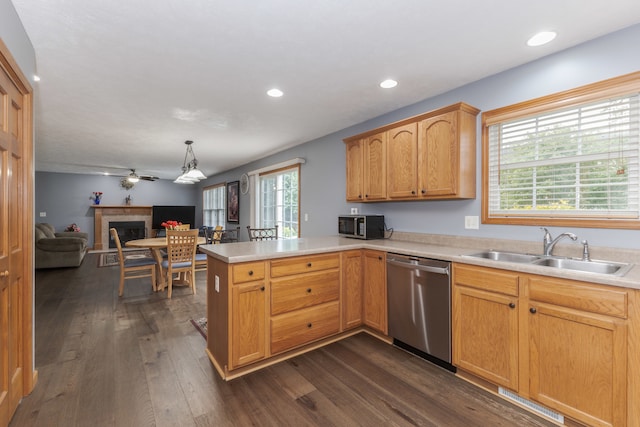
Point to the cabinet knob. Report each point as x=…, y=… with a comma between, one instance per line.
x=512, y=305
x=379, y=258
x=308, y=264
x=366, y=195
x=309, y=325
x=4, y=273
x=262, y=288
x=423, y=191
x=309, y=290
x=413, y=191
x=532, y=310
x=359, y=196
x=250, y=272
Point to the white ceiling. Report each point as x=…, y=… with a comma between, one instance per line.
x=126, y=82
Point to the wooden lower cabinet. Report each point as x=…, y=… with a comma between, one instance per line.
x=375, y=290
x=485, y=328
x=351, y=295
x=559, y=342
x=248, y=323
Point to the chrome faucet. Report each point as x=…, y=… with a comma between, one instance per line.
x=550, y=243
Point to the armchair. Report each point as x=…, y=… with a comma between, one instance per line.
x=53, y=250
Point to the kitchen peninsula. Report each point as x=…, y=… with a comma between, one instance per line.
x=272, y=300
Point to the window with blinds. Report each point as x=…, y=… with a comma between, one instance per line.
x=579, y=162
x=214, y=206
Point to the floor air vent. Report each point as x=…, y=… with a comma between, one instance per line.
x=545, y=412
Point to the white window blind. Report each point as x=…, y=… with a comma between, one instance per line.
x=576, y=162
x=214, y=206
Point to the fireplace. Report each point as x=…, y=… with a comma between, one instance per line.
x=127, y=230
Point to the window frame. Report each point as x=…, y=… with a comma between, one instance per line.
x=223, y=186
x=617, y=86
x=259, y=206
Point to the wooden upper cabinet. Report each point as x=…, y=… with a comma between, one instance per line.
x=402, y=161
x=375, y=167
x=430, y=156
x=355, y=171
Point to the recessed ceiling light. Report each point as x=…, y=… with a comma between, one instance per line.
x=543, y=37
x=388, y=84
x=36, y=78
x=275, y=93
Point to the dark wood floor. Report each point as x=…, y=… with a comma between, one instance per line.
x=138, y=361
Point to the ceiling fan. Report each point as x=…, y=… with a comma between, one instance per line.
x=134, y=177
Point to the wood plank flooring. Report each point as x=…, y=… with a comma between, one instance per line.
x=138, y=361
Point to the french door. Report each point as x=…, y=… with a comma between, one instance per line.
x=16, y=235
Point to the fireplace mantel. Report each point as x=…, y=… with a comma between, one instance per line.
x=102, y=214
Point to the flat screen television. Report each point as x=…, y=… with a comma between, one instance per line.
x=184, y=214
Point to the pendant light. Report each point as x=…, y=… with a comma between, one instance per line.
x=190, y=172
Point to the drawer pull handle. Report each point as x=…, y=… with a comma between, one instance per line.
x=309, y=325
x=533, y=310
x=512, y=305
x=309, y=290
x=250, y=272
x=308, y=264
x=262, y=288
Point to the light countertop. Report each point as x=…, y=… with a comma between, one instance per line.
x=455, y=250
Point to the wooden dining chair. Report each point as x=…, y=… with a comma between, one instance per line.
x=133, y=268
x=181, y=253
x=256, y=234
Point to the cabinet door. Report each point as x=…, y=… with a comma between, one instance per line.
x=578, y=363
x=351, y=289
x=485, y=335
x=248, y=323
x=402, y=161
x=438, y=163
x=375, y=290
x=375, y=167
x=355, y=171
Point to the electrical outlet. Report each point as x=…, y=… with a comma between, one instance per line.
x=217, y=283
x=471, y=222
x=354, y=211
x=306, y=217
x=43, y=214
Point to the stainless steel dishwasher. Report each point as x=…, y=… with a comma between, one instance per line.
x=419, y=306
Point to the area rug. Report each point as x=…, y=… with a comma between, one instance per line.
x=109, y=259
x=201, y=325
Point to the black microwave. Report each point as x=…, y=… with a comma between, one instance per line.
x=361, y=226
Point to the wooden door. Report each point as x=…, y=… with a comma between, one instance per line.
x=578, y=363
x=375, y=167
x=351, y=289
x=248, y=323
x=402, y=161
x=485, y=332
x=355, y=171
x=375, y=290
x=438, y=163
x=16, y=223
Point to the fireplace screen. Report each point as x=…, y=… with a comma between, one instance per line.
x=127, y=230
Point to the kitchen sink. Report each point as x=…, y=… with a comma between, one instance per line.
x=506, y=256
x=562, y=263
x=601, y=267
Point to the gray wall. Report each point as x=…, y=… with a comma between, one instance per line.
x=323, y=176
x=65, y=198
x=15, y=38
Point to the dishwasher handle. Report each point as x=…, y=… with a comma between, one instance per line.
x=427, y=268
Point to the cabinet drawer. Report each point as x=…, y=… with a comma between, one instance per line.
x=579, y=295
x=304, y=326
x=248, y=272
x=304, y=264
x=304, y=291
x=488, y=279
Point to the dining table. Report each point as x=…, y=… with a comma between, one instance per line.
x=156, y=245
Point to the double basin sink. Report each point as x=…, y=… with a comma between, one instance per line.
x=600, y=267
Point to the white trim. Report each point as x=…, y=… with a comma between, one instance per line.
x=296, y=161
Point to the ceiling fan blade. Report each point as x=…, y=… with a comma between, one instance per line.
x=148, y=177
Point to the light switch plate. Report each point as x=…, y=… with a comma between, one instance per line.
x=471, y=222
